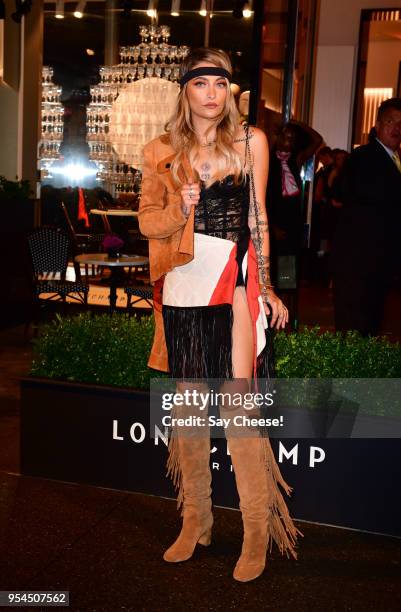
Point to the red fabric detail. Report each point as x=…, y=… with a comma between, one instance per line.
x=224, y=290
x=253, y=293
x=82, y=212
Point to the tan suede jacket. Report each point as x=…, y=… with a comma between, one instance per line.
x=170, y=233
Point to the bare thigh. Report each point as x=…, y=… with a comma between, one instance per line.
x=242, y=336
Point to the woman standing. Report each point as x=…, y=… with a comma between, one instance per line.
x=296, y=143
x=202, y=209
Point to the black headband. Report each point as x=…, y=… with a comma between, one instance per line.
x=204, y=70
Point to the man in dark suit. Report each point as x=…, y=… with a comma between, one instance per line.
x=367, y=244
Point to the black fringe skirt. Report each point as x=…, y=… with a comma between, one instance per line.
x=199, y=343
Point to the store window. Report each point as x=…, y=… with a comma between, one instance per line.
x=379, y=68
x=287, y=72
x=110, y=80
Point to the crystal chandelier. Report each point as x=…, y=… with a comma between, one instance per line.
x=111, y=105
x=52, y=122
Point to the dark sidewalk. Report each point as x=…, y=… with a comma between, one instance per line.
x=106, y=546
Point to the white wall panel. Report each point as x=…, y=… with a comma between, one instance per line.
x=338, y=33
x=333, y=92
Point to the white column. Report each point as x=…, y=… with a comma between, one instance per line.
x=30, y=91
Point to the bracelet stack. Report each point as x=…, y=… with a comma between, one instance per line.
x=263, y=290
x=264, y=286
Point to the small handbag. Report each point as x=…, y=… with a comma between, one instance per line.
x=286, y=272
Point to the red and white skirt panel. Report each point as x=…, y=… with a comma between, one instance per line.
x=210, y=279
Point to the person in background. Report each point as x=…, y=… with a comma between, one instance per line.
x=324, y=159
x=295, y=144
x=324, y=162
x=366, y=245
x=333, y=196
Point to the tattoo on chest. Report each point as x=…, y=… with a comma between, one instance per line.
x=205, y=172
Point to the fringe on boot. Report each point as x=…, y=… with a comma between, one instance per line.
x=281, y=527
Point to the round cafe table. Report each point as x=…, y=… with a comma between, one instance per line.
x=115, y=212
x=115, y=265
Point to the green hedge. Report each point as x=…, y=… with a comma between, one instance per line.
x=114, y=351
x=96, y=349
x=312, y=354
x=14, y=191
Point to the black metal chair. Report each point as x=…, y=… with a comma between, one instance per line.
x=138, y=293
x=50, y=250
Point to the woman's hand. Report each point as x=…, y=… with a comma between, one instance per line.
x=190, y=194
x=278, y=311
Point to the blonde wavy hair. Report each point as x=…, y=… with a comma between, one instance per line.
x=181, y=130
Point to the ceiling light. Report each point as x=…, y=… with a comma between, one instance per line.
x=202, y=10
x=246, y=11
x=59, y=9
x=175, y=8
x=79, y=10
x=90, y=52
x=152, y=11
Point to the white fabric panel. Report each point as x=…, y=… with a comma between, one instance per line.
x=261, y=325
x=245, y=266
x=193, y=284
x=332, y=106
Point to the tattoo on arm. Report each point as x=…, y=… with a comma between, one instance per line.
x=259, y=233
x=255, y=232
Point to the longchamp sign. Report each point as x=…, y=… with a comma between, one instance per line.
x=102, y=436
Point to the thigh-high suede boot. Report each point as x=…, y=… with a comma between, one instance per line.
x=189, y=466
x=265, y=515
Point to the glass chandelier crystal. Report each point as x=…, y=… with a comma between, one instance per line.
x=143, y=85
x=52, y=121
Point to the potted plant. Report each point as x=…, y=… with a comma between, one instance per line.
x=16, y=206
x=315, y=370
x=17, y=219
x=113, y=245
x=85, y=418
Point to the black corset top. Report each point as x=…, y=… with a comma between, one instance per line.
x=222, y=210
